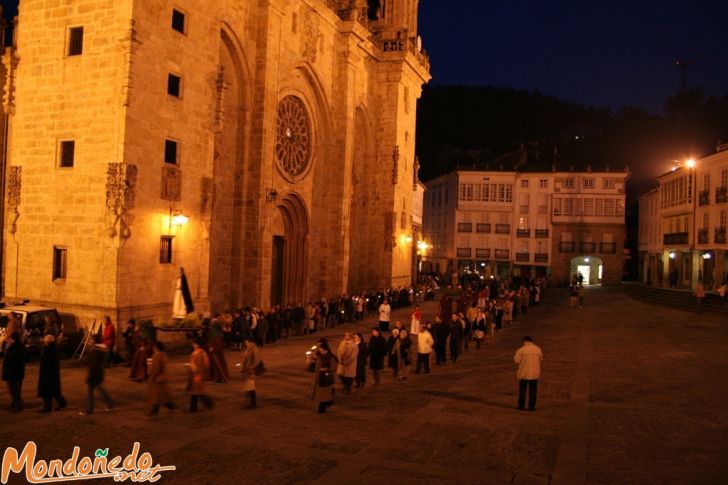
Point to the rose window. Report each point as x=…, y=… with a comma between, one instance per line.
x=294, y=137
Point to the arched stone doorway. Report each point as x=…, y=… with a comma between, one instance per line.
x=289, y=252
x=591, y=269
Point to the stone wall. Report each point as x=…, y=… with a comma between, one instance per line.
x=236, y=61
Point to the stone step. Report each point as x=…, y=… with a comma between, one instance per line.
x=682, y=299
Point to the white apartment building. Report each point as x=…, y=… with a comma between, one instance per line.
x=527, y=223
x=683, y=222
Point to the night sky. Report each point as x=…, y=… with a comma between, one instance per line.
x=603, y=53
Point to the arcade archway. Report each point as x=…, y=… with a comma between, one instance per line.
x=587, y=270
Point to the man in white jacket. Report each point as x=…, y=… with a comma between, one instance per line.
x=424, y=349
x=528, y=358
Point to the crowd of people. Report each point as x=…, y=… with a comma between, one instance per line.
x=468, y=316
x=246, y=329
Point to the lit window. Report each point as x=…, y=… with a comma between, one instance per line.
x=165, y=250
x=588, y=183
x=608, y=183
x=524, y=183
x=569, y=183
x=543, y=183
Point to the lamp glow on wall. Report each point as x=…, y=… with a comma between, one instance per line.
x=422, y=247
x=177, y=218
x=406, y=239
x=672, y=255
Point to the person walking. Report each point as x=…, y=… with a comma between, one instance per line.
x=323, y=388
x=95, y=378
x=377, y=350
x=424, y=349
x=580, y=295
x=251, y=359
x=528, y=358
x=441, y=331
x=13, y=326
x=49, y=376
x=385, y=311
x=346, y=369
x=456, y=337
x=14, y=370
x=479, y=328
x=130, y=341
x=198, y=365
x=157, y=390
x=391, y=356
x=403, y=349
x=109, y=340
x=416, y=320
x=573, y=294
x=700, y=293
x=216, y=352
x=361, y=360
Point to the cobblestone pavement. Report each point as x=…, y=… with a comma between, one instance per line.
x=630, y=393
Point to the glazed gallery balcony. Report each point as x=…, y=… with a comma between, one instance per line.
x=541, y=257
x=523, y=257
x=721, y=194
x=704, y=197
x=542, y=233
x=502, y=228
x=463, y=252
x=482, y=253
x=720, y=237
x=675, y=238
x=482, y=228
x=523, y=233
x=703, y=236
x=502, y=254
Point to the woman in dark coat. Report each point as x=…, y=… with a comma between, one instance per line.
x=361, y=361
x=323, y=387
x=14, y=369
x=377, y=350
x=49, y=376
x=391, y=351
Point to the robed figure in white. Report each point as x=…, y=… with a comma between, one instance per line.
x=182, y=304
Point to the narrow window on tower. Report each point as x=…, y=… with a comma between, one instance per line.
x=178, y=21
x=75, y=41
x=66, y=153
x=170, y=152
x=165, y=250
x=59, y=263
x=174, y=85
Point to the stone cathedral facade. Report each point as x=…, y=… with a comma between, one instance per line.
x=265, y=146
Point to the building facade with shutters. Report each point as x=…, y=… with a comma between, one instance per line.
x=266, y=147
x=527, y=223
x=683, y=225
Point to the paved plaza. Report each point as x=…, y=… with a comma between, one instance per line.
x=630, y=393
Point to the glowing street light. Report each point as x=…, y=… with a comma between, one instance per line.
x=690, y=163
